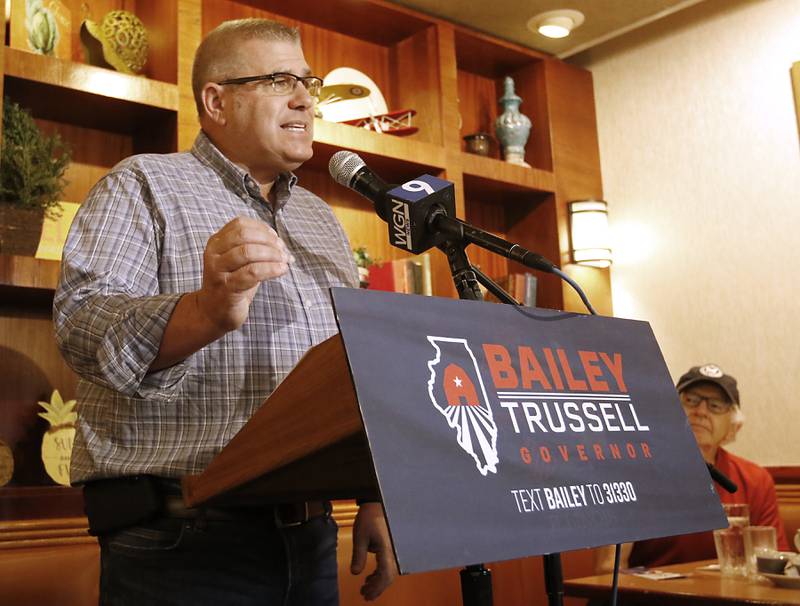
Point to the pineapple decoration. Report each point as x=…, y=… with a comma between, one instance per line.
x=57, y=440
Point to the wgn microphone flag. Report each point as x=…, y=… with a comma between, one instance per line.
x=410, y=207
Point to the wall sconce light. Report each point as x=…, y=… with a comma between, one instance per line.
x=556, y=24
x=589, y=233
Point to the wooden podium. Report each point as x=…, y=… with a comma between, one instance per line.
x=305, y=442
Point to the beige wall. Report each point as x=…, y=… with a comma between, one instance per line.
x=701, y=168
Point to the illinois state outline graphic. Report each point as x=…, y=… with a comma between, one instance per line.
x=457, y=391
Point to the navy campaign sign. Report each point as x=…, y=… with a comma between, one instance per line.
x=500, y=432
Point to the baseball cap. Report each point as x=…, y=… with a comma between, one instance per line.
x=710, y=373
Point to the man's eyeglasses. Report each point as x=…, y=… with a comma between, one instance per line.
x=714, y=405
x=280, y=83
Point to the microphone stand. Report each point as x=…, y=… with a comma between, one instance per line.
x=476, y=579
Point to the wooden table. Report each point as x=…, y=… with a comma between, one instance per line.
x=697, y=587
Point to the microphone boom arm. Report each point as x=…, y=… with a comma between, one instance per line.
x=460, y=230
x=465, y=233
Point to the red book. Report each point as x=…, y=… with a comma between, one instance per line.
x=381, y=276
x=392, y=276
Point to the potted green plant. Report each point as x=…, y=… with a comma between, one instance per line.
x=32, y=167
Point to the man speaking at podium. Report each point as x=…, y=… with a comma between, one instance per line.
x=191, y=285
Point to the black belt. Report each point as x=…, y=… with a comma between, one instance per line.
x=285, y=515
x=114, y=504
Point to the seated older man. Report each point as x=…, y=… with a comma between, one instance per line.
x=711, y=401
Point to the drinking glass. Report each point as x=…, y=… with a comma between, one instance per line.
x=729, y=543
x=738, y=514
x=758, y=541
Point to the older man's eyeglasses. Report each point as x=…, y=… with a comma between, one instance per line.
x=714, y=405
x=280, y=83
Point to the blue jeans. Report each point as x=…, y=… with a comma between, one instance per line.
x=177, y=562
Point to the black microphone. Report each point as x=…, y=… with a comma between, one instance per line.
x=421, y=212
x=408, y=209
x=348, y=169
x=722, y=479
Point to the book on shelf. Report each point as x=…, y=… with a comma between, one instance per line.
x=410, y=275
x=530, y=290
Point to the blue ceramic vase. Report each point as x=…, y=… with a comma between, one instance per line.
x=512, y=127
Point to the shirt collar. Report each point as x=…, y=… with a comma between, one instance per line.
x=236, y=177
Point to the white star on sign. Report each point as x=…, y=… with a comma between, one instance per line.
x=457, y=381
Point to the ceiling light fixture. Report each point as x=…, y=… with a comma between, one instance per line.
x=556, y=24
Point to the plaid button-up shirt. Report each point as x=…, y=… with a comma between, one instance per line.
x=135, y=247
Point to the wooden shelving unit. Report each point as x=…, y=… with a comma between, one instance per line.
x=450, y=75
x=501, y=177
x=82, y=78
x=394, y=153
x=28, y=280
x=27, y=272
